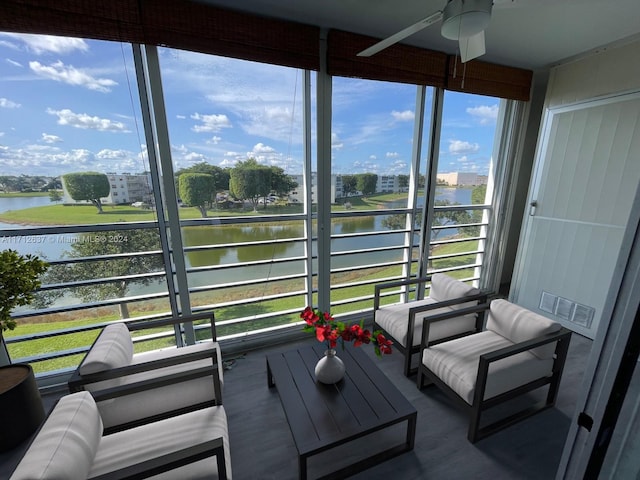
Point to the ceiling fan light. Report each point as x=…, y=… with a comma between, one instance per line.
x=465, y=18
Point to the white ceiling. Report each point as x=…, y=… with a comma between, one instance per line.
x=533, y=34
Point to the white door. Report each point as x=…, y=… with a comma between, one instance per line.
x=585, y=177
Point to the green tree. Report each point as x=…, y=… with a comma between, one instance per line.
x=349, y=184
x=281, y=183
x=55, y=195
x=250, y=181
x=447, y=218
x=19, y=278
x=219, y=174
x=197, y=190
x=478, y=195
x=366, y=183
x=91, y=186
x=403, y=181
x=110, y=244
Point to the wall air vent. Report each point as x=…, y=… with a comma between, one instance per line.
x=566, y=309
x=583, y=315
x=548, y=302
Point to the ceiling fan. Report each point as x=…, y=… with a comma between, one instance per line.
x=462, y=20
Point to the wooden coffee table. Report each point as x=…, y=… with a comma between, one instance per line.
x=322, y=417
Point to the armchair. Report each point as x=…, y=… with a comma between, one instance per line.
x=518, y=352
x=159, y=383
x=403, y=321
x=70, y=445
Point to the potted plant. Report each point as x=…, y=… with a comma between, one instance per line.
x=19, y=279
x=21, y=409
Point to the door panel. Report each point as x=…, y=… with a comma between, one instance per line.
x=586, y=174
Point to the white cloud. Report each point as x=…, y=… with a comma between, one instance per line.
x=60, y=72
x=261, y=148
x=405, y=116
x=373, y=157
x=210, y=123
x=485, y=114
x=194, y=157
x=13, y=62
x=336, y=142
x=40, y=44
x=6, y=103
x=459, y=147
x=108, y=154
x=46, y=138
x=392, y=155
x=215, y=140
x=85, y=121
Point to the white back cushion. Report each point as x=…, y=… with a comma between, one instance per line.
x=518, y=324
x=112, y=349
x=444, y=287
x=65, y=446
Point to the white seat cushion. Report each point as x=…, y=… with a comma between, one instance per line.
x=163, y=437
x=456, y=363
x=163, y=399
x=519, y=324
x=395, y=319
x=65, y=446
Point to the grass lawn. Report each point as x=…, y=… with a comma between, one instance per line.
x=24, y=194
x=59, y=214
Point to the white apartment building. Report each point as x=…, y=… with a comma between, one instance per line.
x=462, y=178
x=126, y=188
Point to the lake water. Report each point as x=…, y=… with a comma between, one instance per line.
x=50, y=248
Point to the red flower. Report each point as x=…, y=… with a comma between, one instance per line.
x=327, y=329
x=383, y=344
x=309, y=316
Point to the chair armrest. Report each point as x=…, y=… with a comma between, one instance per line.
x=77, y=381
x=80, y=380
x=480, y=308
x=171, y=461
x=399, y=283
x=562, y=336
x=520, y=347
x=150, y=384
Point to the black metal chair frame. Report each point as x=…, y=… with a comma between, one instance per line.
x=476, y=431
x=164, y=463
x=78, y=382
x=411, y=349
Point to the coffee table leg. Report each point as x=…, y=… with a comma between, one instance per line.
x=270, y=381
x=411, y=431
x=302, y=466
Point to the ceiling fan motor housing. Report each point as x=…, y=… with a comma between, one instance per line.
x=465, y=18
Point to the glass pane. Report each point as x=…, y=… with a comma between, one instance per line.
x=72, y=150
x=372, y=139
x=464, y=168
x=236, y=131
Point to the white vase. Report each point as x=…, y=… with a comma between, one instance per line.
x=329, y=369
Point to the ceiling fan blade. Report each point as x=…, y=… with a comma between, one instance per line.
x=472, y=47
x=401, y=35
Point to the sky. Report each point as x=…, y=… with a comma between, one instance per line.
x=69, y=104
